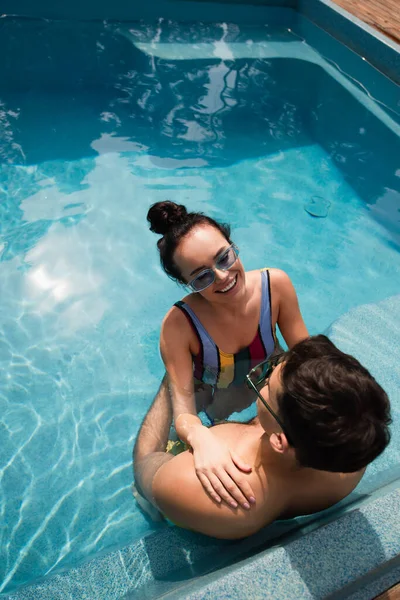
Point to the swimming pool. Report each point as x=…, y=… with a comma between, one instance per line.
x=99, y=120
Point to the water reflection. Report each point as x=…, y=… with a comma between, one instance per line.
x=60, y=275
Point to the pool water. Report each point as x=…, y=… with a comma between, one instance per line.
x=99, y=121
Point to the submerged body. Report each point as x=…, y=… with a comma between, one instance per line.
x=220, y=367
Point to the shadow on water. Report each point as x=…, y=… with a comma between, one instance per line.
x=74, y=92
x=182, y=110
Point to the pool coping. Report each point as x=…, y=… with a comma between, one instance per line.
x=286, y=571
x=378, y=49
x=357, y=21
x=286, y=567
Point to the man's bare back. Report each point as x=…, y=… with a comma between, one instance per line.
x=282, y=489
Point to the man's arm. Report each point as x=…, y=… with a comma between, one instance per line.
x=149, y=450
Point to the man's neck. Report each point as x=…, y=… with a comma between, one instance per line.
x=271, y=459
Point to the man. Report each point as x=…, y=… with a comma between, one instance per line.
x=322, y=418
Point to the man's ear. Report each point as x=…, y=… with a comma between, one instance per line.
x=279, y=443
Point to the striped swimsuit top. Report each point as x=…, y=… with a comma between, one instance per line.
x=220, y=369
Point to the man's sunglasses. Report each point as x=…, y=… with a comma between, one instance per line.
x=260, y=375
x=223, y=262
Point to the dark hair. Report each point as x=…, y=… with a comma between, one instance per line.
x=173, y=222
x=335, y=413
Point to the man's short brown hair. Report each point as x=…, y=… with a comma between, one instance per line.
x=336, y=415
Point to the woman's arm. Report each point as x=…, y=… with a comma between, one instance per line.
x=176, y=352
x=218, y=468
x=289, y=319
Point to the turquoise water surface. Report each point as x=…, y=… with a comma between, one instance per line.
x=99, y=121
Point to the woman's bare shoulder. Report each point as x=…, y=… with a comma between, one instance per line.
x=275, y=275
x=174, y=318
x=280, y=281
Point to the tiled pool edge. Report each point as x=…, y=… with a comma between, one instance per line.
x=317, y=565
x=320, y=564
x=379, y=50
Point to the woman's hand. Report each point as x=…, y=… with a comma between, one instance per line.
x=220, y=470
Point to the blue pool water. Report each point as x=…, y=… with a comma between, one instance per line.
x=97, y=122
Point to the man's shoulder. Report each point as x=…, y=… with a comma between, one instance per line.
x=313, y=491
x=181, y=498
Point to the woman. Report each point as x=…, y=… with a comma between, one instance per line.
x=215, y=335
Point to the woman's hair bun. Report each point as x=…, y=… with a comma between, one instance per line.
x=162, y=216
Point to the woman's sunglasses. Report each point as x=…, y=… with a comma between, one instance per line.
x=260, y=375
x=223, y=262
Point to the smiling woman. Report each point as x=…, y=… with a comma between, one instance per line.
x=214, y=336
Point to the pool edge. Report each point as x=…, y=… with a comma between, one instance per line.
x=378, y=568
x=378, y=49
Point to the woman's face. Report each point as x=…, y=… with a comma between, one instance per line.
x=198, y=251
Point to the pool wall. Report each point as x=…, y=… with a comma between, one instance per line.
x=182, y=10
x=355, y=552
x=376, y=48
x=373, y=46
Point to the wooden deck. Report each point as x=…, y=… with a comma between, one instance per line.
x=391, y=594
x=384, y=15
